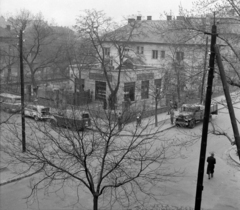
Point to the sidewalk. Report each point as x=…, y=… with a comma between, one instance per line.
x=233, y=154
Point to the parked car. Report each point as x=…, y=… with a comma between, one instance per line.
x=71, y=119
x=37, y=112
x=10, y=102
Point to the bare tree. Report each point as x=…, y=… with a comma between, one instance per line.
x=184, y=49
x=9, y=58
x=227, y=20
x=41, y=47
x=117, y=166
x=102, y=33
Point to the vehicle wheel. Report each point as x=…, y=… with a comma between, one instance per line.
x=36, y=118
x=192, y=124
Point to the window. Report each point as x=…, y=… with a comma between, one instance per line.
x=162, y=54
x=179, y=56
x=140, y=50
x=106, y=51
x=158, y=83
x=129, y=91
x=100, y=90
x=154, y=54
x=145, y=89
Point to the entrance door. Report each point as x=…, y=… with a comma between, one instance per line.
x=100, y=90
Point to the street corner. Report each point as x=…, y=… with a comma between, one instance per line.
x=233, y=154
x=8, y=176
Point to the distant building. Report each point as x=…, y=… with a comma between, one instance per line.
x=8, y=53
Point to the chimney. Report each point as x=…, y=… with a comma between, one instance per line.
x=131, y=20
x=8, y=27
x=169, y=17
x=139, y=17
x=149, y=17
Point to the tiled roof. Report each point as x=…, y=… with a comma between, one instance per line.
x=158, y=32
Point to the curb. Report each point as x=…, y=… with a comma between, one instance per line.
x=232, y=155
x=17, y=178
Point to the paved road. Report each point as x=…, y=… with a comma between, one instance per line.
x=223, y=191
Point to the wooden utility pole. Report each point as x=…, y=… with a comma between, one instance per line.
x=22, y=89
x=204, y=71
x=229, y=100
x=202, y=158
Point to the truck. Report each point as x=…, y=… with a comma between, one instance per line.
x=72, y=119
x=10, y=103
x=190, y=114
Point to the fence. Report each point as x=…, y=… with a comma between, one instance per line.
x=63, y=100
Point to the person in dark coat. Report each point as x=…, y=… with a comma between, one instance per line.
x=175, y=105
x=139, y=119
x=172, y=116
x=170, y=106
x=119, y=121
x=211, y=165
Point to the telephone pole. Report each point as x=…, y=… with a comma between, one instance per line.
x=229, y=100
x=204, y=71
x=22, y=89
x=199, y=189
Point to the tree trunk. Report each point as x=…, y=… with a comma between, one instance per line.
x=112, y=99
x=8, y=75
x=95, y=202
x=178, y=85
x=33, y=80
x=156, y=106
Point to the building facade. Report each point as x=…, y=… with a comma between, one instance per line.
x=148, y=51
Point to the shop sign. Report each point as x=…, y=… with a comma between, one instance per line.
x=99, y=77
x=145, y=76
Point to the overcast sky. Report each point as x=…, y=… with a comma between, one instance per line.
x=65, y=12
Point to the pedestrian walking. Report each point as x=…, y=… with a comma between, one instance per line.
x=139, y=119
x=211, y=165
x=170, y=106
x=172, y=116
x=119, y=121
x=175, y=105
